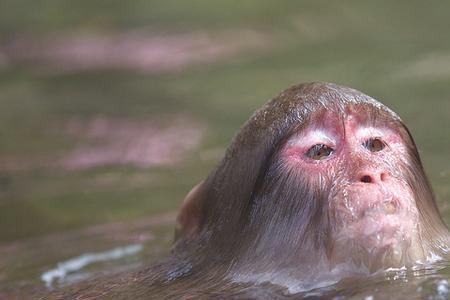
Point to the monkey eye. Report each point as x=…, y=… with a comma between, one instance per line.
x=319, y=151
x=374, y=144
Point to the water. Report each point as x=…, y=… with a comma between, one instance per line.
x=109, y=116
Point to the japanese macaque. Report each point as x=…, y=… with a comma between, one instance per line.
x=321, y=184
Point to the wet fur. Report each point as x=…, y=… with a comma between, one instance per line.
x=253, y=220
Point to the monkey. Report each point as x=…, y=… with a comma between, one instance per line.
x=321, y=184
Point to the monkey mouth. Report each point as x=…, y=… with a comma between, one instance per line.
x=388, y=207
x=376, y=216
x=375, y=219
x=382, y=217
x=377, y=230
x=356, y=205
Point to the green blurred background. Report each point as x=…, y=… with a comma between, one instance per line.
x=83, y=83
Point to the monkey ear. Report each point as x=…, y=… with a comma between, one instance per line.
x=189, y=217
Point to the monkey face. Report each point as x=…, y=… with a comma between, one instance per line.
x=360, y=162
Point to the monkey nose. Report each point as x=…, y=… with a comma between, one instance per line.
x=372, y=177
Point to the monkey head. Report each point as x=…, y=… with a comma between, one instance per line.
x=321, y=183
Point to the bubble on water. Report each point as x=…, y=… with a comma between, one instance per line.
x=442, y=287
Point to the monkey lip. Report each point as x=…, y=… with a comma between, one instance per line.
x=375, y=216
x=387, y=207
x=358, y=203
x=375, y=219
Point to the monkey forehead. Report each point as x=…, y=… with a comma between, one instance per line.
x=330, y=95
x=329, y=127
x=300, y=102
x=350, y=116
x=374, y=124
x=323, y=124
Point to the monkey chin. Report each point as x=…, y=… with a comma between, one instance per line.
x=378, y=230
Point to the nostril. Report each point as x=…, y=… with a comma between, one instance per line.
x=383, y=176
x=366, y=179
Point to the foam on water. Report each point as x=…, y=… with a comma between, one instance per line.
x=77, y=263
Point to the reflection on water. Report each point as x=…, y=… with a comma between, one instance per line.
x=144, y=51
x=130, y=142
x=75, y=264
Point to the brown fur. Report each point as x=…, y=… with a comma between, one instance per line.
x=249, y=217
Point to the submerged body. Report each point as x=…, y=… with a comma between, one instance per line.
x=321, y=185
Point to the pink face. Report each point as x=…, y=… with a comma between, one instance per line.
x=359, y=163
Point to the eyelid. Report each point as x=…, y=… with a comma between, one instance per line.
x=313, y=137
x=325, y=143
